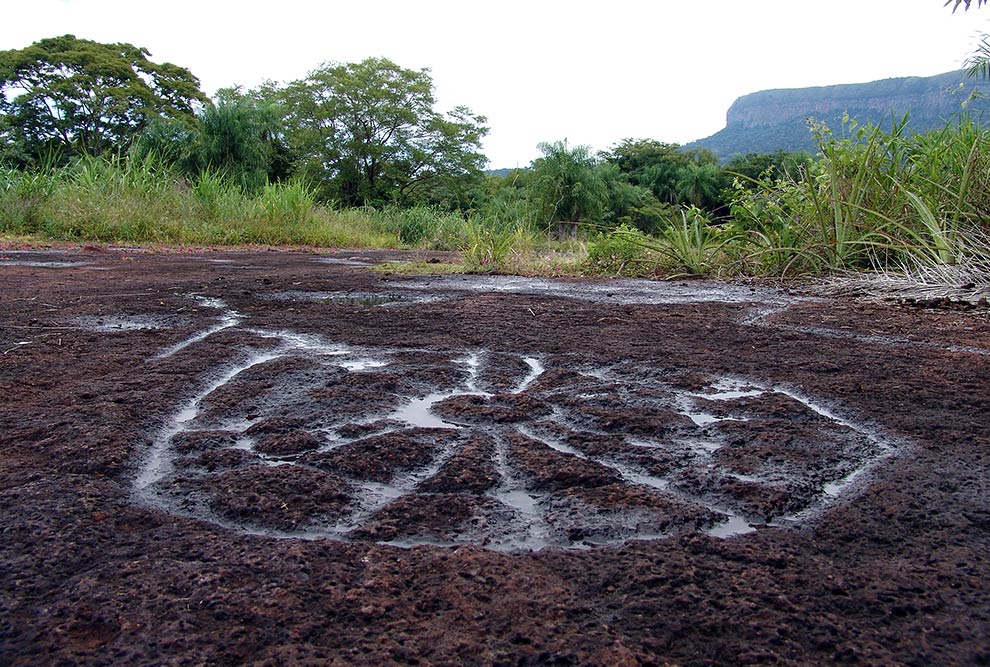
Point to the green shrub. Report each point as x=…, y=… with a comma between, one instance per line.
x=621, y=251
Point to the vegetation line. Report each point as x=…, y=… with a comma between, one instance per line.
x=356, y=155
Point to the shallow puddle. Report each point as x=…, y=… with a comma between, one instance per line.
x=356, y=365
x=628, y=291
x=734, y=526
x=124, y=323
x=418, y=412
x=351, y=298
x=345, y=261
x=41, y=264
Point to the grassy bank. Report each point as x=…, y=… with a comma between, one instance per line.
x=128, y=201
x=141, y=202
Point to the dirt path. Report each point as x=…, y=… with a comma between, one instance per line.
x=281, y=458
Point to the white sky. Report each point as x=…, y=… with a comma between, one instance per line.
x=540, y=70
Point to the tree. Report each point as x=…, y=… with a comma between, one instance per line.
x=650, y=164
x=755, y=167
x=631, y=204
x=634, y=156
x=674, y=175
x=370, y=133
x=566, y=184
x=76, y=96
x=977, y=64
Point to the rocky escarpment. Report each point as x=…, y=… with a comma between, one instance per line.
x=772, y=120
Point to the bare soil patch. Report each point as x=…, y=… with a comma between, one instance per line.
x=270, y=458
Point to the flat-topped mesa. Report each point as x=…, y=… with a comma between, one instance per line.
x=771, y=120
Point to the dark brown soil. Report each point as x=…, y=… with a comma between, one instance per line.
x=269, y=458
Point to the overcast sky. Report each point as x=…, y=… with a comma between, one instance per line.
x=589, y=72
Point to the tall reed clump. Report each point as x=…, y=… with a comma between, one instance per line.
x=500, y=245
x=291, y=203
x=876, y=200
x=117, y=199
x=217, y=198
x=24, y=199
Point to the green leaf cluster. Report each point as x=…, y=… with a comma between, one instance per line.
x=74, y=96
x=370, y=134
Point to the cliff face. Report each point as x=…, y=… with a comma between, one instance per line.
x=772, y=120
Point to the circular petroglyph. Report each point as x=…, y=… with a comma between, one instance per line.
x=306, y=438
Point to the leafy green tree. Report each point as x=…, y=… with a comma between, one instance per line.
x=505, y=198
x=675, y=176
x=654, y=165
x=661, y=179
x=75, y=96
x=369, y=132
x=754, y=167
x=977, y=64
x=650, y=164
x=634, y=156
x=170, y=141
x=239, y=137
x=566, y=185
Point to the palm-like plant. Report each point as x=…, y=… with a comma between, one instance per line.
x=698, y=184
x=955, y=3
x=567, y=185
x=978, y=64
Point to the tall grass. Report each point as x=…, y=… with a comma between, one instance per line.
x=217, y=198
x=427, y=227
x=140, y=201
x=878, y=200
x=24, y=196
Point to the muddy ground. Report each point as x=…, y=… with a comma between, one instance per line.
x=273, y=458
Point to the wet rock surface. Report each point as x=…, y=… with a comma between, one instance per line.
x=197, y=468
